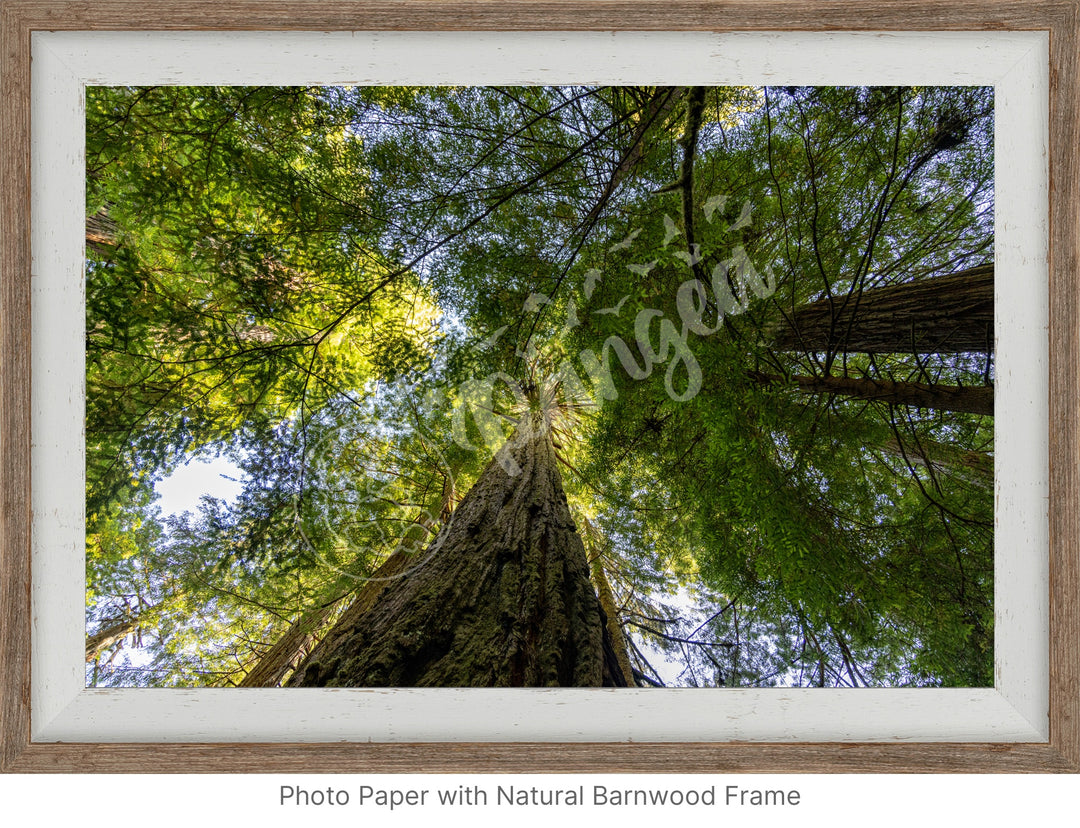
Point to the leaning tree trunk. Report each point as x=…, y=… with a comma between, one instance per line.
x=298, y=640
x=615, y=635
x=965, y=399
x=501, y=598
x=974, y=467
x=941, y=315
x=101, y=232
x=108, y=636
x=595, y=548
x=289, y=649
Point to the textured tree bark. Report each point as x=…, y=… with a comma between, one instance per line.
x=501, y=598
x=289, y=649
x=968, y=399
x=292, y=648
x=100, y=232
x=611, y=623
x=110, y=635
x=943, y=315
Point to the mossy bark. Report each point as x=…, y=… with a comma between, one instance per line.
x=501, y=598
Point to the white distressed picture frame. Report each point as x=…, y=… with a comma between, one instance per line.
x=1015, y=710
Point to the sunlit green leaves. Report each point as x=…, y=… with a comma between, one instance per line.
x=340, y=288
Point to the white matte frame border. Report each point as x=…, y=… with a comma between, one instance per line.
x=1015, y=710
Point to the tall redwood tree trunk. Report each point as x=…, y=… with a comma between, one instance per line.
x=501, y=598
x=967, y=399
x=942, y=315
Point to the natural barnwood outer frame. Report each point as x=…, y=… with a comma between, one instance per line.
x=1061, y=18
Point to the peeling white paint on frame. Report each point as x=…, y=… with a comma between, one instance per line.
x=1015, y=710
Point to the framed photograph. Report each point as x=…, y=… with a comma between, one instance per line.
x=577, y=386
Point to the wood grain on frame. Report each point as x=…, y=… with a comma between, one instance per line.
x=1061, y=18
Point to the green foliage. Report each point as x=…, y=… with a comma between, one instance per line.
x=340, y=289
x=880, y=570
x=239, y=287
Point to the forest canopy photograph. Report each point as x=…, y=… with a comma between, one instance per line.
x=539, y=386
